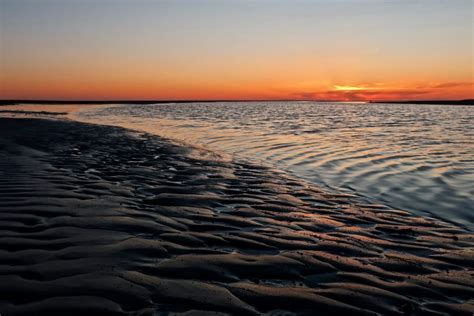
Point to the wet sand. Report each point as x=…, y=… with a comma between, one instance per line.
x=99, y=220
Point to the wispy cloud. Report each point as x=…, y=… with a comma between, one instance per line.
x=361, y=95
x=453, y=85
x=377, y=91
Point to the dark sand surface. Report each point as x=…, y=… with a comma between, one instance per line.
x=98, y=220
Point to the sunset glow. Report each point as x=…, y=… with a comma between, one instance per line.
x=307, y=50
x=347, y=88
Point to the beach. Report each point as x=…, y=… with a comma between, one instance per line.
x=102, y=220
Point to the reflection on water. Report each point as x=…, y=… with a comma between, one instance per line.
x=415, y=157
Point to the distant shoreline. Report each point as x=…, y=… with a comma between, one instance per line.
x=440, y=102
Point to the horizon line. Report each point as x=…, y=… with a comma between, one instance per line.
x=151, y=101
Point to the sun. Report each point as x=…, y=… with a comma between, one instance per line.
x=347, y=88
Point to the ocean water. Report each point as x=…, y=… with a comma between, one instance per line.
x=413, y=157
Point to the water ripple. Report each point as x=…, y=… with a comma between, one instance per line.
x=415, y=157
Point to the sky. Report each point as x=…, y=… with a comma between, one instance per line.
x=236, y=49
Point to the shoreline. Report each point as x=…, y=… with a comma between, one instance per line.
x=92, y=102
x=200, y=152
x=110, y=221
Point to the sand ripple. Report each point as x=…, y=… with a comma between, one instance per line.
x=98, y=220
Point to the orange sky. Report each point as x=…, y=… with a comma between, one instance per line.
x=306, y=50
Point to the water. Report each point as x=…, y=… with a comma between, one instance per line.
x=412, y=157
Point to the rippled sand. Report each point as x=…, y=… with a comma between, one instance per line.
x=102, y=221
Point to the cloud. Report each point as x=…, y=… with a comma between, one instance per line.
x=362, y=94
x=377, y=91
x=453, y=85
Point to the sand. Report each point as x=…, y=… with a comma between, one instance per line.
x=99, y=220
